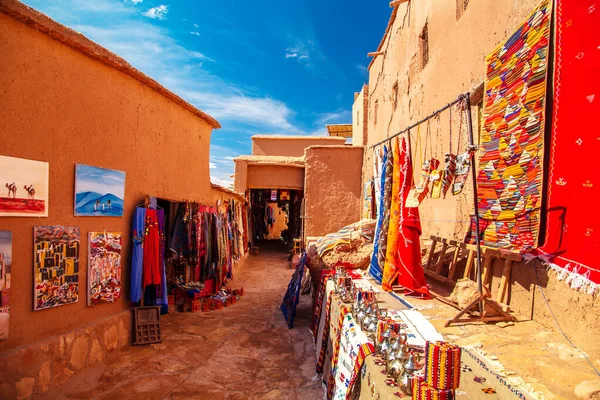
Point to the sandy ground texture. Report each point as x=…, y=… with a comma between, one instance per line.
x=244, y=351
x=538, y=356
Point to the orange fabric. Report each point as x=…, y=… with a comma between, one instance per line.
x=390, y=269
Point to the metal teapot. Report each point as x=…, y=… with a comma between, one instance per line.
x=410, y=367
x=383, y=346
x=400, y=346
x=391, y=356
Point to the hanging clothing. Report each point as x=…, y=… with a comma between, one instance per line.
x=391, y=256
x=386, y=206
x=375, y=269
x=151, y=274
x=137, y=254
x=162, y=298
x=408, y=271
x=180, y=240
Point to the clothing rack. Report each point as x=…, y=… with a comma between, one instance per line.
x=460, y=98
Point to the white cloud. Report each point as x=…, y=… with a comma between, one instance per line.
x=158, y=12
x=340, y=116
x=225, y=182
x=362, y=70
x=135, y=1
x=290, y=54
x=212, y=165
x=195, y=33
x=195, y=25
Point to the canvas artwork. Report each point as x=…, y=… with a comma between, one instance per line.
x=99, y=192
x=25, y=185
x=56, y=266
x=5, y=266
x=104, y=267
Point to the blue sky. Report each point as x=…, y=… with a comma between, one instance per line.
x=259, y=67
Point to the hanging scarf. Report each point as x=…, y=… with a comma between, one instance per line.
x=385, y=207
x=375, y=269
x=408, y=271
x=390, y=269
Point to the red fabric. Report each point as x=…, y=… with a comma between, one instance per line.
x=573, y=226
x=410, y=270
x=151, y=270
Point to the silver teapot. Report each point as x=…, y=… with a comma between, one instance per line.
x=400, y=346
x=391, y=356
x=410, y=367
x=383, y=346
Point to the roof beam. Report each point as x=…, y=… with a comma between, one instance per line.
x=396, y=3
x=375, y=54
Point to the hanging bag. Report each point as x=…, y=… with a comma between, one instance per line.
x=449, y=161
x=417, y=194
x=463, y=161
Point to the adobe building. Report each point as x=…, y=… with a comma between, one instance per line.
x=66, y=100
x=319, y=176
x=431, y=52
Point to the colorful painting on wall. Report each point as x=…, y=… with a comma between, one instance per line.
x=99, y=192
x=104, y=267
x=5, y=265
x=25, y=185
x=56, y=266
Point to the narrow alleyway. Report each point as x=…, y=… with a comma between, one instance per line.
x=241, y=352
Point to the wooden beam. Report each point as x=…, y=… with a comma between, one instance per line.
x=396, y=3
x=431, y=251
x=502, y=295
x=452, y=269
x=375, y=54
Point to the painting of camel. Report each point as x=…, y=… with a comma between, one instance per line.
x=99, y=192
x=23, y=187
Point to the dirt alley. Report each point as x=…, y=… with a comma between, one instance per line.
x=244, y=351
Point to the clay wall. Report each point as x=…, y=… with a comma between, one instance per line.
x=64, y=107
x=332, y=189
x=240, y=182
x=404, y=86
x=275, y=177
x=359, y=117
x=289, y=146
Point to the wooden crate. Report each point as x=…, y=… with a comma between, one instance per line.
x=147, y=325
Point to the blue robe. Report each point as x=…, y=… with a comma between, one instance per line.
x=137, y=257
x=376, y=270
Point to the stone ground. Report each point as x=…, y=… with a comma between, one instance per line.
x=244, y=351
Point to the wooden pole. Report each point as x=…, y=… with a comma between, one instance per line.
x=396, y=3
x=475, y=200
x=375, y=53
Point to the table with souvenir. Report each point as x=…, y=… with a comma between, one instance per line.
x=370, y=344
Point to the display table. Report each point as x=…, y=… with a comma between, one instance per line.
x=477, y=380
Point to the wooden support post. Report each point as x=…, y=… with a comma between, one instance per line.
x=375, y=53
x=440, y=261
x=457, y=252
x=470, y=264
x=396, y=3
x=502, y=295
x=431, y=252
x=487, y=268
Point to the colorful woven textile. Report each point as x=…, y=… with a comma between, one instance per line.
x=331, y=380
x=314, y=326
x=403, y=259
x=423, y=391
x=368, y=199
x=375, y=269
x=442, y=365
x=322, y=338
x=292, y=295
x=573, y=182
x=362, y=229
x=386, y=208
x=390, y=269
x=345, y=370
x=512, y=139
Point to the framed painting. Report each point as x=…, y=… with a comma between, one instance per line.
x=104, y=267
x=25, y=185
x=56, y=266
x=5, y=267
x=99, y=192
